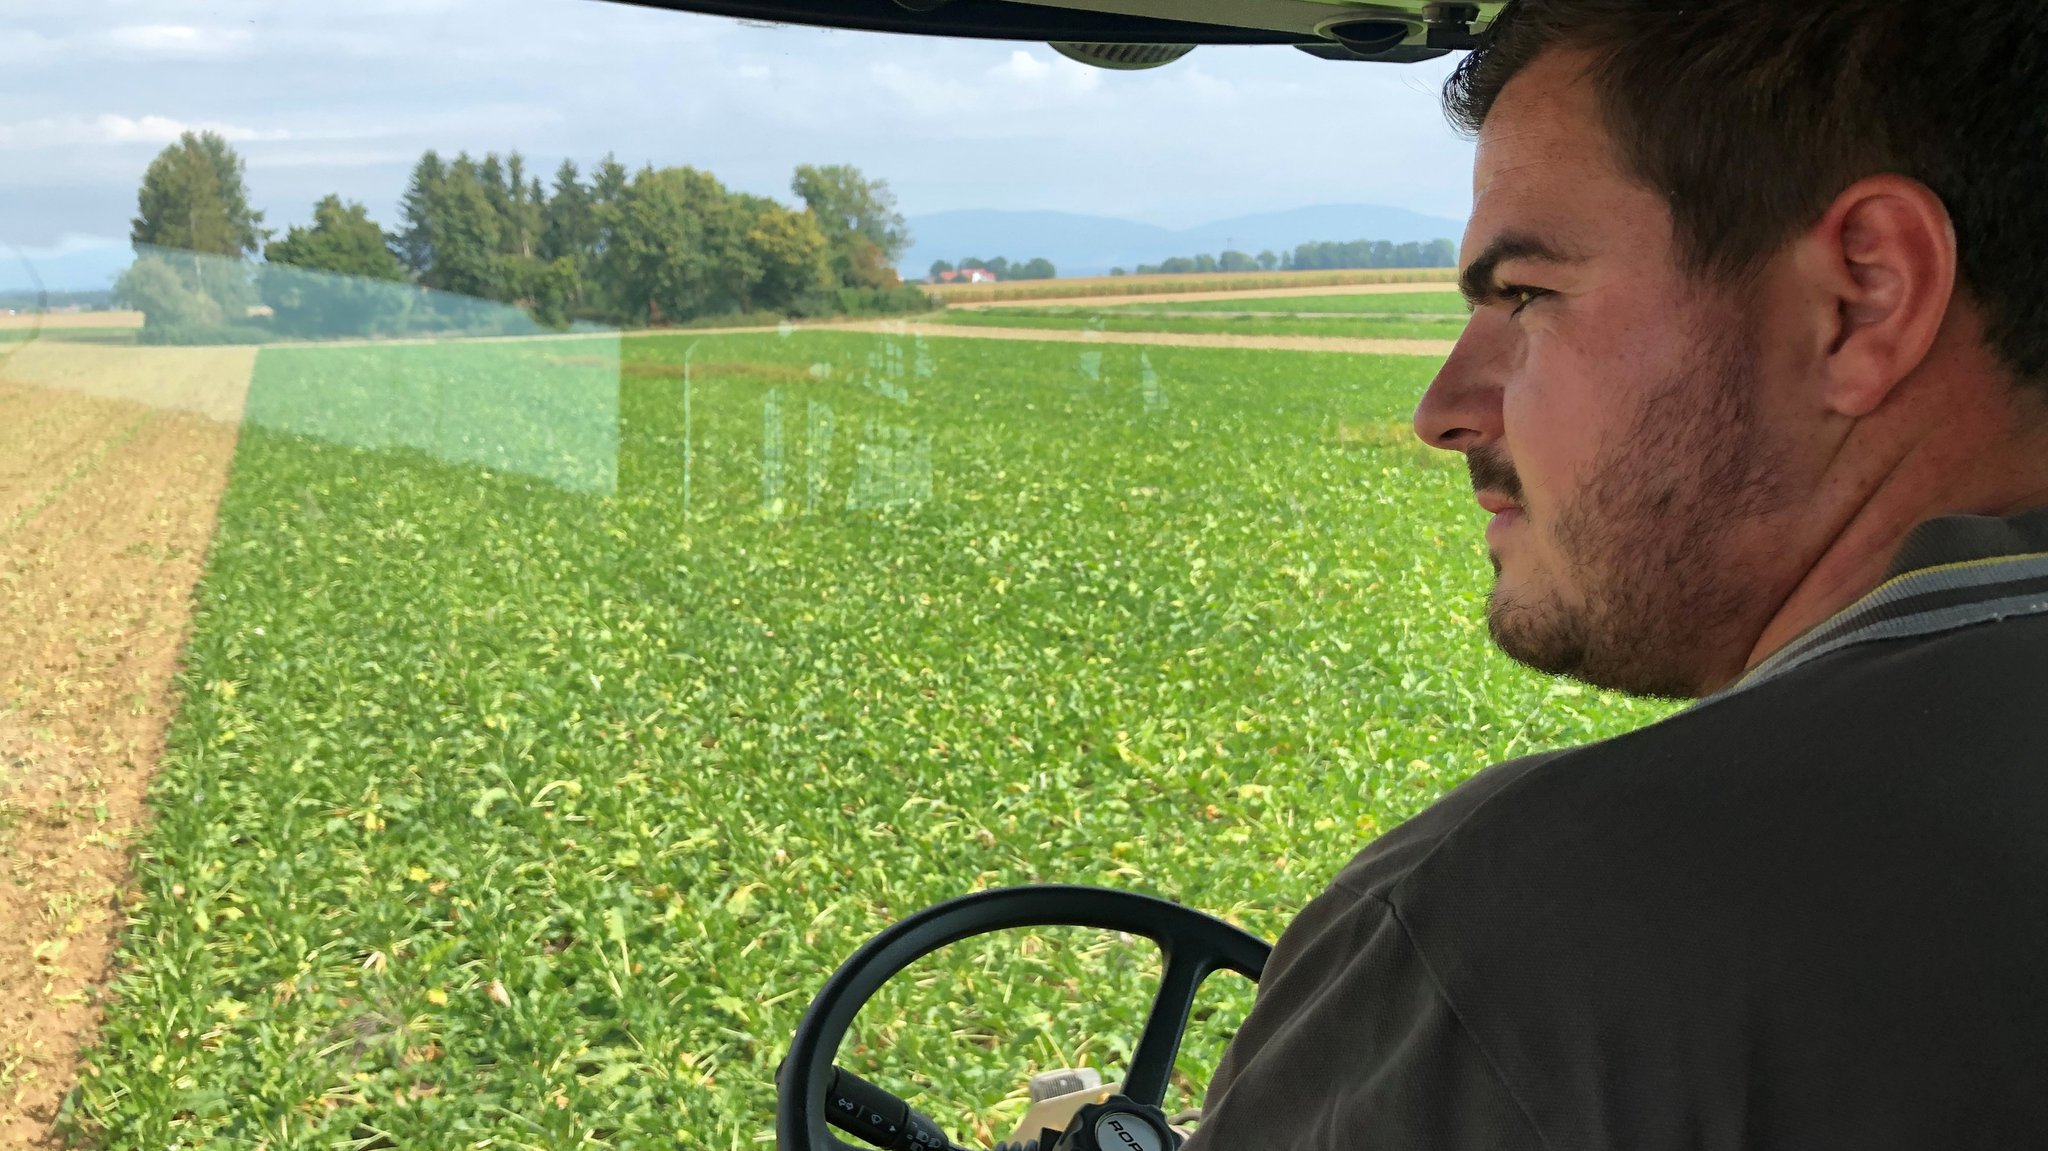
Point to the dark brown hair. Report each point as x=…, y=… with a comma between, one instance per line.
x=1751, y=116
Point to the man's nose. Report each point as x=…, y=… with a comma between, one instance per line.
x=1462, y=408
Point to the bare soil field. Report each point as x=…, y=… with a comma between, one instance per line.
x=112, y=461
x=59, y=320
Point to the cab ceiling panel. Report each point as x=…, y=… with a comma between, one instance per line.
x=1340, y=29
x=982, y=19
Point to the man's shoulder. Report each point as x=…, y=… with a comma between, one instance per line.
x=1766, y=764
x=1496, y=804
x=1389, y=859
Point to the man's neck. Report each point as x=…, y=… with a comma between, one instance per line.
x=1994, y=473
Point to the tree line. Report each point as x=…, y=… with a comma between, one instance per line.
x=1317, y=255
x=1036, y=268
x=632, y=248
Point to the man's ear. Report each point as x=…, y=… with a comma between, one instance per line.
x=1883, y=258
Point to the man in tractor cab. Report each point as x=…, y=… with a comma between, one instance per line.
x=1756, y=387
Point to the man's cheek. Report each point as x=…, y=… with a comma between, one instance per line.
x=1528, y=439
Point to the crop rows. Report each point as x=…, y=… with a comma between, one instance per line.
x=525, y=808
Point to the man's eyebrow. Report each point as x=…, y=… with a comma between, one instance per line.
x=1476, y=282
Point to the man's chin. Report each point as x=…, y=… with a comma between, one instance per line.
x=1544, y=636
x=1536, y=634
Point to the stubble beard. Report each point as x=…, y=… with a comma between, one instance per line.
x=1648, y=539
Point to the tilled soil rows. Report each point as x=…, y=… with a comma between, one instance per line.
x=112, y=463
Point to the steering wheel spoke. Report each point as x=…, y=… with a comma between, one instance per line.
x=1194, y=946
x=1152, y=1061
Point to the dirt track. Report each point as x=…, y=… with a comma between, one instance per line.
x=112, y=461
x=64, y=320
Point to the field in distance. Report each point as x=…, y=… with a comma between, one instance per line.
x=1086, y=286
x=1378, y=315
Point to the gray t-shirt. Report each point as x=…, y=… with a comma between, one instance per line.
x=1811, y=912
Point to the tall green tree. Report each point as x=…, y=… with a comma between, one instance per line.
x=567, y=226
x=465, y=232
x=794, y=258
x=568, y=237
x=609, y=181
x=193, y=232
x=859, y=218
x=334, y=278
x=415, y=242
x=342, y=239
x=610, y=185
x=490, y=174
x=658, y=265
x=520, y=207
x=193, y=199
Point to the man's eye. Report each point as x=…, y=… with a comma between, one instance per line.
x=1521, y=295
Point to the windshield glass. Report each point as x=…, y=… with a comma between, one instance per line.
x=530, y=532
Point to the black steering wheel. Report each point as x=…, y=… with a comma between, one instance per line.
x=812, y=1092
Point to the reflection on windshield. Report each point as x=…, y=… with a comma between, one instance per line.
x=366, y=363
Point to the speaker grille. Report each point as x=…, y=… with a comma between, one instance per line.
x=1122, y=57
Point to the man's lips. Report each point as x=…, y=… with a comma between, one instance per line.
x=1496, y=504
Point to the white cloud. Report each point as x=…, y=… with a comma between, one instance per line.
x=70, y=244
x=1022, y=67
x=755, y=72
x=177, y=39
x=1026, y=70
x=164, y=130
x=111, y=128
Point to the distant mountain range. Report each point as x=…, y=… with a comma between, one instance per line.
x=71, y=268
x=1084, y=245
x=1076, y=243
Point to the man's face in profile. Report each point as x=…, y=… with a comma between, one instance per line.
x=1613, y=410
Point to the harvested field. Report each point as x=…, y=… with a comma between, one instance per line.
x=1095, y=287
x=60, y=320
x=112, y=462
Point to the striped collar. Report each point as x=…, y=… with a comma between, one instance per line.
x=1950, y=573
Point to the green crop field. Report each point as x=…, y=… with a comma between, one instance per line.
x=1149, y=320
x=537, y=761
x=1436, y=304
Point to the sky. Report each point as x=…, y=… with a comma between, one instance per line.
x=341, y=96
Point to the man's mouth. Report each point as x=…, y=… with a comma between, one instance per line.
x=1496, y=503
